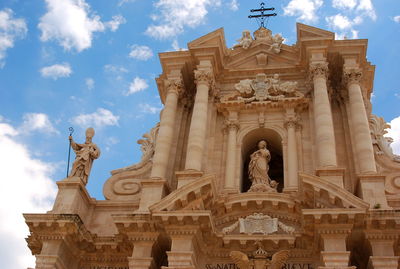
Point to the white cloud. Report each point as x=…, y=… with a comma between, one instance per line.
x=175, y=45
x=343, y=25
x=140, y=52
x=175, y=15
x=115, y=69
x=102, y=117
x=304, y=9
x=138, y=84
x=394, y=132
x=89, y=83
x=344, y=4
x=396, y=18
x=115, y=22
x=56, y=71
x=25, y=187
x=234, y=5
x=72, y=24
x=39, y=122
x=121, y=2
x=11, y=29
x=366, y=7
x=147, y=108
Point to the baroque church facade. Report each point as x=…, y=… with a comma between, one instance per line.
x=266, y=156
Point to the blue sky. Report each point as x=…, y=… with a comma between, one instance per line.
x=87, y=63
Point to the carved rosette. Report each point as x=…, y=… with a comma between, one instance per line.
x=319, y=70
x=174, y=85
x=351, y=76
x=204, y=77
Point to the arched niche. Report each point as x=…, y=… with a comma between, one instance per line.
x=249, y=144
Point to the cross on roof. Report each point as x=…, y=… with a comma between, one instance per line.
x=262, y=16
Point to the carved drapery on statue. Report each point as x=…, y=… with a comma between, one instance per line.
x=85, y=154
x=262, y=35
x=258, y=170
x=263, y=88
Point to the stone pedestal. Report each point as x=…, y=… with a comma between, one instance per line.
x=187, y=176
x=152, y=192
x=371, y=188
x=332, y=174
x=182, y=254
x=384, y=262
x=141, y=256
x=72, y=198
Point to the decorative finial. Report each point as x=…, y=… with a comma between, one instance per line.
x=262, y=16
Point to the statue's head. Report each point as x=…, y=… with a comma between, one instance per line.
x=262, y=144
x=89, y=134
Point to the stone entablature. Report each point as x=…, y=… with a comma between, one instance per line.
x=263, y=150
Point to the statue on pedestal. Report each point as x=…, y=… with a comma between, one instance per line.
x=85, y=154
x=258, y=170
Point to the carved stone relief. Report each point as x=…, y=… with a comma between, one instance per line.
x=258, y=223
x=263, y=88
x=262, y=35
x=378, y=128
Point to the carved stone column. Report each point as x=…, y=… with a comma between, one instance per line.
x=198, y=125
x=382, y=243
x=232, y=125
x=166, y=131
x=292, y=178
x=359, y=122
x=334, y=254
x=323, y=123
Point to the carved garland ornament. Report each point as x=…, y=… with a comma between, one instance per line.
x=263, y=88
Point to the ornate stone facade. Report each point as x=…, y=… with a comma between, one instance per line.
x=331, y=195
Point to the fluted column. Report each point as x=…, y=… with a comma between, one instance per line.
x=166, y=131
x=232, y=126
x=292, y=178
x=324, y=132
x=359, y=122
x=198, y=125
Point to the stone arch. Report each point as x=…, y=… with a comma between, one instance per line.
x=248, y=139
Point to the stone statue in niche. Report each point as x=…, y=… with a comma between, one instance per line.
x=258, y=170
x=85, y=154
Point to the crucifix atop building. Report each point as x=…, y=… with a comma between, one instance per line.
x=263, y=15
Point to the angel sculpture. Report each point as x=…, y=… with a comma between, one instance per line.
x=259, y=261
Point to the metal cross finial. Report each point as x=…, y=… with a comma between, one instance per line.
x=262, y=16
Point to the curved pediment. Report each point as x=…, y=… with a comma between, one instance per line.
x=319, y=193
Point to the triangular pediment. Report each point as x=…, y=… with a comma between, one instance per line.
x=260, y=56
x=213, y=39
x=307, y=32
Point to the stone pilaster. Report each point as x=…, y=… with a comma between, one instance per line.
x=166, y=131
x=182, y=254
x=359, y=122
x=291, y=123
x=323, y=123
x=198, y=126
x=232, y=125
x=334, y=254
x=382, y=244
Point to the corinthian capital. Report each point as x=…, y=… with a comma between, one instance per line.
x=204, y=76
x=351, y=76
x=174, y=85
x=292, y=121
x=231, y=124
x=319, y=70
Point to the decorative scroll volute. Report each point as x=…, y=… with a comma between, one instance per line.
x=174, y=85
x=351, y=76
x=319, y=70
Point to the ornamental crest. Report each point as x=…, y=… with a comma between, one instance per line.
x=263, y=88
x=258, y=223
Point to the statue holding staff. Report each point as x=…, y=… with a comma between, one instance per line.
x=85, y=154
